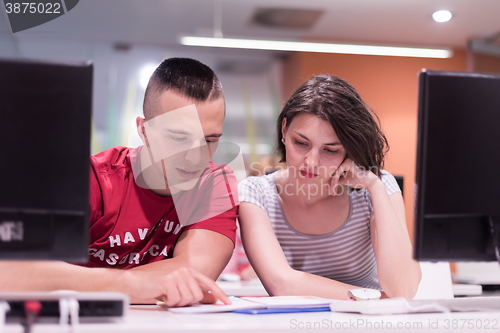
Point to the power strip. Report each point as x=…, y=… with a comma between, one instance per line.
x=90, y=304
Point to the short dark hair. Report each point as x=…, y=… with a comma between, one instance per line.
x=186, y=76
x=337, y=102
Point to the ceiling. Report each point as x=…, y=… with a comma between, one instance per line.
x=160, y=22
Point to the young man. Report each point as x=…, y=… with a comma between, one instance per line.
x=163, y=200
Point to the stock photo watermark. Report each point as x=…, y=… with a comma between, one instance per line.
x=25, y=15
x=364, y=323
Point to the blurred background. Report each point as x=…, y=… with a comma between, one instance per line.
x=126, y=39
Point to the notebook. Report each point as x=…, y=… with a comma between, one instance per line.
x=253, y=303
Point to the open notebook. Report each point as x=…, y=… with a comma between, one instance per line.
x=251, y=303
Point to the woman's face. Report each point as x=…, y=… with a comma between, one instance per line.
x=313, y=150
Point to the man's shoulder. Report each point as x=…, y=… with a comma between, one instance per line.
x=113, y=159
x=216, y=173
x=218, y=169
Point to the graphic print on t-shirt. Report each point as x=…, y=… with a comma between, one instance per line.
x=127, y=248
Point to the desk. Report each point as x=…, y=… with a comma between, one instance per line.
x=243, y=288
x=149, y=318
x=255, y=288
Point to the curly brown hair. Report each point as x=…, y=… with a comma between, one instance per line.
x=337, y=102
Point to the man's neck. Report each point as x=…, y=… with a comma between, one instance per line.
x=152, y=174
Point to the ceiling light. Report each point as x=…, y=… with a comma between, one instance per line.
x=442, y=16
x=316, y=47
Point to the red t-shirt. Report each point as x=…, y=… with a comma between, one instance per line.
x=131, y=225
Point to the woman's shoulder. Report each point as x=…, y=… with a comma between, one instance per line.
x=261, y=182
x=390, y=184
x=389, y=181
x=258, y=190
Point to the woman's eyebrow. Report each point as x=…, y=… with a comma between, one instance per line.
x=336, y=143
x=302, y=135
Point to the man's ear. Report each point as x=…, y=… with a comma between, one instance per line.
x=139, y=121
x=283, y=127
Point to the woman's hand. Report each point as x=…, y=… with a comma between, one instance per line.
x=351, y=175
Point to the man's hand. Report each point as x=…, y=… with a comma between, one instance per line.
x=182, y=287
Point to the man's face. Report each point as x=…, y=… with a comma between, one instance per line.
x=182, y=138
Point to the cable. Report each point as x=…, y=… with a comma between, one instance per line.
x=63, y=311
x=31, y=311
x=74, y=308
x=4, y=308
x=69, y=309
x=495, y=233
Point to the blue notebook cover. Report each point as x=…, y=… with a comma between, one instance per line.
x=278, y=310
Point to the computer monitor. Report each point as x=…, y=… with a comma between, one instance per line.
x=45, y=117
x=458, y=167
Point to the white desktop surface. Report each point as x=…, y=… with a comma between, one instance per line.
x=149, y=318
x=243, y=288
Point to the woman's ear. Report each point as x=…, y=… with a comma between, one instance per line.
x=283, y=128
x=139, y=121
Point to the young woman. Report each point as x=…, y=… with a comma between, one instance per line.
x=334, y=220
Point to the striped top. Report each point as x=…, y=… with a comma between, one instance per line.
x=345, y=254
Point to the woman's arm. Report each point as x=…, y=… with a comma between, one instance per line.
x=398, y=273
x=267, y=258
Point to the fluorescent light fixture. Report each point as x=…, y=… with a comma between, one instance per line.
x=442, y=16
x=316, y=47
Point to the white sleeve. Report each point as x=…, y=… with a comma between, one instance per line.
x=250, y=190
x=390, y=183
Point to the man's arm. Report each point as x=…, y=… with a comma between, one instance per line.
x=54, y=275
x=176, y=281
x=205, y=250
x=208, y=252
